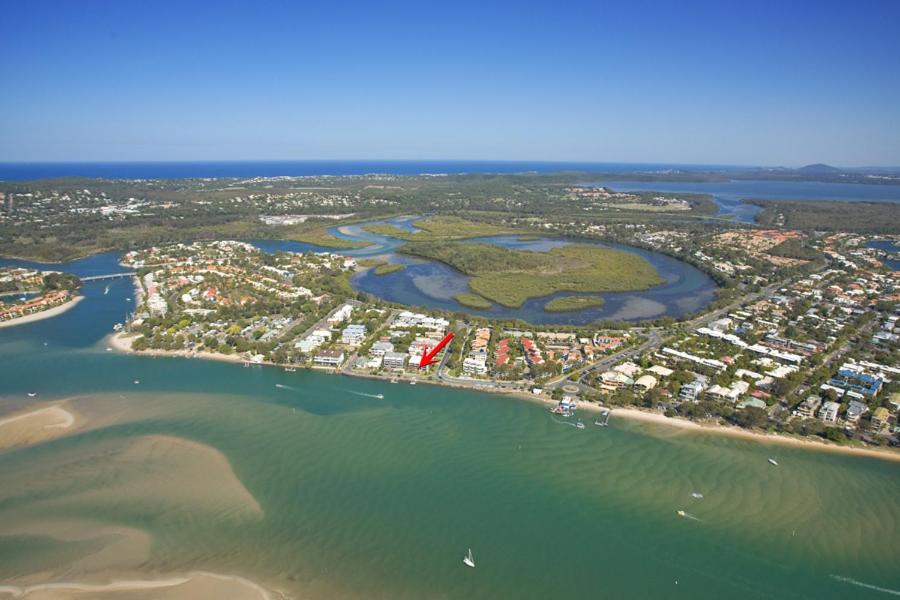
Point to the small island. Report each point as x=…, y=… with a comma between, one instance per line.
x=510, y=277
x=573, y=303
x=472, y=301
x=387, y=268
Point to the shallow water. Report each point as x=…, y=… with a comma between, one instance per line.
x=379, y=498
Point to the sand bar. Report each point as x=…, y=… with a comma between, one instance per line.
x=35, y=426
x=198, y=584
x=44, y=314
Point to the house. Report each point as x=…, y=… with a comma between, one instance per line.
x=475, y=364
x=880, y=418
x=395, y=360
x=329, y=358
x=729, y=394
x=807, y=409
x=532, y=353
x=481, y=339
x=628, y=368
x=340, y=315
x=353, y=335
x=752, y=403
x=689, y=392
x=380, y=348
x=645, y=382
x=660, y=371
x=502, y=353
x=616, y=379
x=829, y=411
x=855, y=410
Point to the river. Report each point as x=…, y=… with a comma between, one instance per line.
x=346, y=495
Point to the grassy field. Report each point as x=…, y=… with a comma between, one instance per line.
x=573, y=303
x=385, y=268
x=472, y=301
x=440, y=228
x=510, y=277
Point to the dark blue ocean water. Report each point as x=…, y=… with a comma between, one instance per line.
x=276, y=168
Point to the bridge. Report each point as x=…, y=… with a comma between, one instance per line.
x=108, y=276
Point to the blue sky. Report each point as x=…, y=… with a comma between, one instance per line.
x=768, y=83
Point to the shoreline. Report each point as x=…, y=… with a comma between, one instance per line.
x=44, y=314
x=120, y=343
x=123, y=344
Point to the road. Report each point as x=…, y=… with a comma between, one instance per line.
x=654, y=339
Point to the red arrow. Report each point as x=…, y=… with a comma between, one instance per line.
x=428, y=358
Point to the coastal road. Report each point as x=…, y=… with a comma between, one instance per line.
x=654, y=339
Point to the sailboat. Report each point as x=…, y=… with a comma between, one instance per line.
x=468, y=559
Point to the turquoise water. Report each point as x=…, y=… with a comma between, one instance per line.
x=379, y=498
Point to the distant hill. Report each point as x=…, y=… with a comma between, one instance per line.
x=819, y=169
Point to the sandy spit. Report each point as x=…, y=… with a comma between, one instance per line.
x=197, y=584
x=44, y=314
x=35, y=425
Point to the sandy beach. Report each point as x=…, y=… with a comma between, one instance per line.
x=123, y=343
x=807, y=443
x=44, y=314
x=36, y=425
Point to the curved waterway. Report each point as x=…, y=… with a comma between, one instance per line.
x=431, y=284
x=730, y=195
x=310, y=484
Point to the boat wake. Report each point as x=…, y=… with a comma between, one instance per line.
x=281, y=386
x=852, y=581
x=688, y=515
x=375, y=396
x=563, y=422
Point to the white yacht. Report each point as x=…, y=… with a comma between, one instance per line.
x=468, y=559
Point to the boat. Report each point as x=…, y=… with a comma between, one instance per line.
x=106, y=291
x=603, y=419
x=137, y=381
x=579, y=425
x=468, y=559
x=32, y=394
x=379, y=396
x=289, y=369
x=772, y=461
x=697, y=495
x=681, y=513
x=108, y=349
x=412, y=383
x=394, y=380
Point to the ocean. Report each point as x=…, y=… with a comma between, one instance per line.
x=296, y=168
